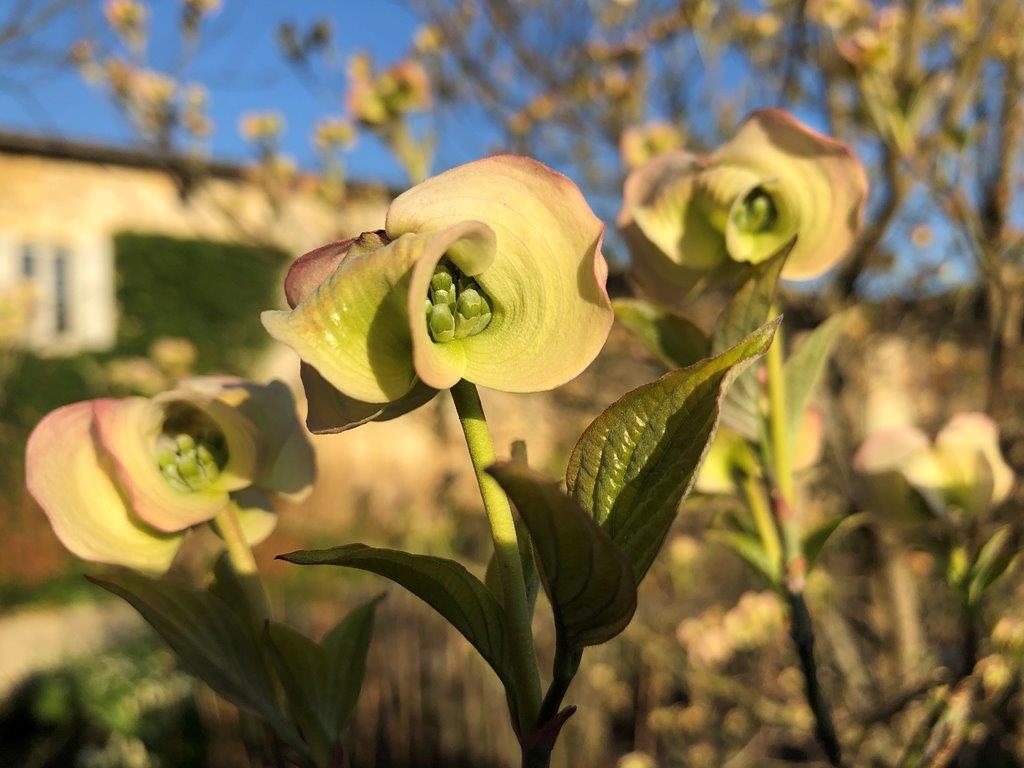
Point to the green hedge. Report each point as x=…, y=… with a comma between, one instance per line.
x=210, y=293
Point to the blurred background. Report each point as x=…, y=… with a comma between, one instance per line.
x=162, y=162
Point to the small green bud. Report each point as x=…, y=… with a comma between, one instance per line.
x=756, y=213
x=189, y=463
x=442, y=323
x=456, y=305
x=442, y=279
x=189, y=468
x=471, y=304
x=446, y=298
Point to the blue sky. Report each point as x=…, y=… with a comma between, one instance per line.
x=240, y=62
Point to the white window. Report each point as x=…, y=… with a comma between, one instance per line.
x=72, y=293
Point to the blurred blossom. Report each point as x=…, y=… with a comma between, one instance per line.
x=334, y=133
x=277, y=174
x=921, y=236
x=875, y=44
x=661, y=720
x=702, y=756
x=641, y=143
x=694, y=718
x=683, y=551
x=736, y=723
x=1008, y=634
x=122, y=481
x=137, y=375
x=636, y=760
x=713, y=638
x=128, y=19
x=996, y=674
x=194, y=11
x=174, y=355
x=617, y=695
x=520, y=123
x=203, y=6
x=119, y=75
x=83, y=53
x=148, y=96
x=963, y=468
x=194, y=116
x=261, y=126
x=428, y=39
x=378, y=98
x=688, y=218
x=791, y=681
x=542, y=107
x=757, y=27
x=838, y=14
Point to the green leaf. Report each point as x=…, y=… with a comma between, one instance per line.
x=445, y=585
x=210, y=638
x=749, y=309
x=323, y=681
x=750, y=549
x=587, y=578
x=815, y=541
x=637, y=461
x=994, y=559
x=805, y=366
x=240, y=594
x=673, y=339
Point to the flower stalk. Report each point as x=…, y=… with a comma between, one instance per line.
x=243, y=563
x=801, y=627
x=506, y=552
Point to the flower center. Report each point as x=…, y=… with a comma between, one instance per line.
x=756, y=213
x=191, y=451
x=456, y=305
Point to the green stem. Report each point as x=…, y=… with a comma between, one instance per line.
x=567, y=663
x=778, y=431
x=242, y=561
x=786, y=512
x=761, y=511
x=506, y=553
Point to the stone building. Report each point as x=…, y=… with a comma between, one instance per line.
x=65, y=201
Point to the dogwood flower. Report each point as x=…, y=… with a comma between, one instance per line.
x=491, y=272
x=963, y=468
x=122, y=480
x=687, y=217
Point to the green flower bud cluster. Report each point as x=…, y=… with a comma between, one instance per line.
x=756, y=213
x=189, y=464
x=456, y=305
